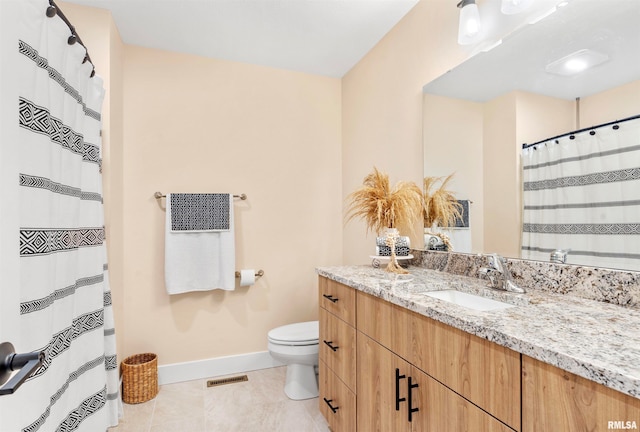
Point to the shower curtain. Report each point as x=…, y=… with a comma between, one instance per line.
x=581, y=192
x=64, y=298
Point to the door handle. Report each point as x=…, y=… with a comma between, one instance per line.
x=26, y=363
x=329, y=344
x=411, y=409
x=328, y=402
x=330, y=297
x=398, y=398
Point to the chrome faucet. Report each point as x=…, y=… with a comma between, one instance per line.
x=559, y=256
x=499, y=275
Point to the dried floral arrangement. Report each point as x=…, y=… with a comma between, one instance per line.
x=381, y=206
x=441, y=208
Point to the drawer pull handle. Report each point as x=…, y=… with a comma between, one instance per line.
x=328, y=402
x=330, y=297
x=411, y=409
x=329, y=344
x=398, y=398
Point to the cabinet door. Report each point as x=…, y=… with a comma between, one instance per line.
x=379, y=388
x=483, y=372
x=338, y=299
x=553, y=399
x=440, y=409
x=337, y=402
x=338, y=347
x=385, y=322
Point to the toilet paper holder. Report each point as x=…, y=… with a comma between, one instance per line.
x=259, y=273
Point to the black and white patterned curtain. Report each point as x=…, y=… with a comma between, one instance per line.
x=581, y=193
x=64, y=298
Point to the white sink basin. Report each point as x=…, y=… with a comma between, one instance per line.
x=470, y=301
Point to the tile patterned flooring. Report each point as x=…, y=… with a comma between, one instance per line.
x=258, y=404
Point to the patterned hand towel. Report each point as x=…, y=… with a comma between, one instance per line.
x=199, y=243
x=403, y=244
x=199, y=212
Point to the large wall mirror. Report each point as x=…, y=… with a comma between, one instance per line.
x=477, y=116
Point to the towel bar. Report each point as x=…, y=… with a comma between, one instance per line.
x=259, y=273
x=159, y=195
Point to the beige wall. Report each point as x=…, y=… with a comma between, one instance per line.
x=453, y=130
x=296, y=144
x=201, y=125
x=610, y=105
x=382, y=107
x=501, y=187
x=195, y=124
x=540, y=117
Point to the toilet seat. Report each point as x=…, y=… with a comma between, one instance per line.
x=298, y=334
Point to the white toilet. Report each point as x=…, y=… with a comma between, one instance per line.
x=296, y=345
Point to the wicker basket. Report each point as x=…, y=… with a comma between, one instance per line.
x=139, y=378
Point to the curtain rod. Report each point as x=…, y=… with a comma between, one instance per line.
x=524, y=146
x=54, y=10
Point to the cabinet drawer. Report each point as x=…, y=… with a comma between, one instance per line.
x=337, y=402
x=338, y=347
x=338, y=299
x=386, y=323
x=485, y=373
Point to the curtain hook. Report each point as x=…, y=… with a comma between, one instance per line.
x=51, y=11
x=592, y=133
x=616, y=127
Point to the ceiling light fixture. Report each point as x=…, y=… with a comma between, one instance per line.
x=469, y=26
x=510, y=7
x=576, y=62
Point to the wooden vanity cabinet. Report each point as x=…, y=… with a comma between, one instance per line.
x=380, y=407
x=395, y=396
x=337, y=355
x=396, y=362
x=338, y=299
x=337, y=347
x=482, y=372
x=388, y=324
x=337, y=401
x=553, y=399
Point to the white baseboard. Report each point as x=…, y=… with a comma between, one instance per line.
x=208, y=368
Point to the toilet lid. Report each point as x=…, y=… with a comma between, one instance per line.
x=305, y=333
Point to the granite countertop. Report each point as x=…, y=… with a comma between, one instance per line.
x=595, y=340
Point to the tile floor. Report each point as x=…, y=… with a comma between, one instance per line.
x=256, y=405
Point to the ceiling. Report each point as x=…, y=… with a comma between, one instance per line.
x=323, y=37
x=518, y=63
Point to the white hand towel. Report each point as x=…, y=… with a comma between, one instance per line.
x=199, y=261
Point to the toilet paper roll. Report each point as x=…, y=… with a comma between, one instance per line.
x=247, y=277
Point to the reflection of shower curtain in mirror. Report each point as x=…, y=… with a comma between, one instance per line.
x=62, y=278
x=583, y=194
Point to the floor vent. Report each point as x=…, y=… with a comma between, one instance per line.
x=223, y=381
